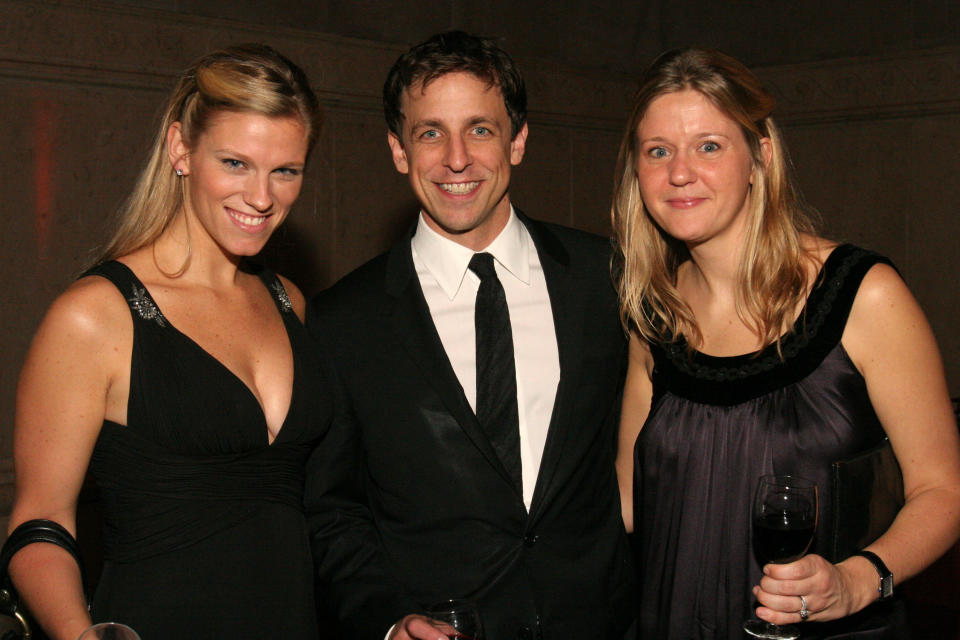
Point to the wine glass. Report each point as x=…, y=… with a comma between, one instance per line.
x=784, y=519
x=457, y=619
x=109, y=631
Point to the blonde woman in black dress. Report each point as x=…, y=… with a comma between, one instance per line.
x=182, y=375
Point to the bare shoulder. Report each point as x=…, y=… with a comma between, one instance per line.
x=75, y=375
x=891, y=343
x=296, y=296
x=886, y=320
x=91, y=308
x=81, y=352
x=880, y=281
x=883, y=291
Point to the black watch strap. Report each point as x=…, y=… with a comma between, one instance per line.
x=886, y=577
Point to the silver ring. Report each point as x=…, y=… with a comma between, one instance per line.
x=804, y=612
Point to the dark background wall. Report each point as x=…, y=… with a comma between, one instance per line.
x=869, y=94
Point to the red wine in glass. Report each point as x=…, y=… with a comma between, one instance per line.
x=783, y=536
x=784, y=521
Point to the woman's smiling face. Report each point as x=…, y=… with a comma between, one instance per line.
x=243, y=174
x=694, y=168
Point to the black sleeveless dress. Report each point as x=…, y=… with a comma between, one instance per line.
x=719, y=423
x=204, y=531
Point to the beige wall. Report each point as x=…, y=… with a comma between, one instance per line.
x=875, y=137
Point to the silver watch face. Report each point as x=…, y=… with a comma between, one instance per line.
x=886, y=587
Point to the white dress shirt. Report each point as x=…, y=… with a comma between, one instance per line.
x=450, y=289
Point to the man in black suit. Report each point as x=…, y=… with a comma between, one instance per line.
x=462, y=464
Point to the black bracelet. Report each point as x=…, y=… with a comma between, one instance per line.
x=30, y=532
x=886, y=576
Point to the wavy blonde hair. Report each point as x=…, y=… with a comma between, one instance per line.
x=246, y=78
x=772, y=271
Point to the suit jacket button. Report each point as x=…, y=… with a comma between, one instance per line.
x=524, y=633
x=530, y=540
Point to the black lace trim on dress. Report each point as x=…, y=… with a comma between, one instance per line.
x=735, y=379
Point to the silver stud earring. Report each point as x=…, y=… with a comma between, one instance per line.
x=179, y=173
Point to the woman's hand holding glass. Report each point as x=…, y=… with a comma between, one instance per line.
x=831, y=591
x=784, y=520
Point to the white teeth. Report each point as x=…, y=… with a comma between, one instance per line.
x=251, y=221
x=459, y=188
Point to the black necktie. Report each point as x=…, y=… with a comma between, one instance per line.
x=496, y=373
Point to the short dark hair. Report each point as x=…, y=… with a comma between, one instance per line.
x=450, y=52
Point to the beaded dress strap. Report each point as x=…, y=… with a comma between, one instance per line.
x=277, y=291
x=138, y=298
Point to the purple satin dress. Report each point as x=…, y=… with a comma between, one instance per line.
x=715, y=426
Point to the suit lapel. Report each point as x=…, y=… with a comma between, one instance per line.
x=410, y=317
x=565, y=289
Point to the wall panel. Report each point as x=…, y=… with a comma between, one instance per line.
x=875, y=143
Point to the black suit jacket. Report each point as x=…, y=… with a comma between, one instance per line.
x=407, y=501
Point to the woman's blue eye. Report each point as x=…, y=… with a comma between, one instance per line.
x=233, y=164
x=289, y=171
x=658, y=152
x=710, y=147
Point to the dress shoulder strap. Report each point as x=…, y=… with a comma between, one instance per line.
x=142, y=305
x=830, y=302
x=273, y=283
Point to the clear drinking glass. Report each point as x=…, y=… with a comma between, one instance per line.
x=784, y=520
x=109, y=631
x=457, y=619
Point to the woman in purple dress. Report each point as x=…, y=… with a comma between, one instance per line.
x=758, y=347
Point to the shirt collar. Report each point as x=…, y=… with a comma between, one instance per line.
x=447, y=261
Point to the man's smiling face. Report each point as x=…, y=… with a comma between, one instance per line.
x=456, y=150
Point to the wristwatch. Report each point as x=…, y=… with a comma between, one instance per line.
x=886, y=577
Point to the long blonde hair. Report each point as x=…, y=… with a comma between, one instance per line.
x=243, y=78
x=772, y=272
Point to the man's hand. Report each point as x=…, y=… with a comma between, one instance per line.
x=417, y=627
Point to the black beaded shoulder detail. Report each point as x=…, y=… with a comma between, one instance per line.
x=280, y=296
x=735, y=379
x=272, y=281
x=141, y=303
